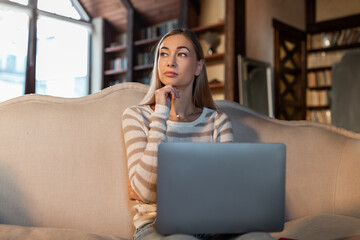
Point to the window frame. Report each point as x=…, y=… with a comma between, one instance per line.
x=34, y=12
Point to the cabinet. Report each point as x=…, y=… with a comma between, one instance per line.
x=324, y=49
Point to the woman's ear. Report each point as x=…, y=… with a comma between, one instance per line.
x=199, y=67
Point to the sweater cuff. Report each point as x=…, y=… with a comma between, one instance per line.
x=162, y=111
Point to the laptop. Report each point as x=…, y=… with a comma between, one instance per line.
x=220, y=188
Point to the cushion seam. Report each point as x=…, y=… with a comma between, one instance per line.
x=337, y=175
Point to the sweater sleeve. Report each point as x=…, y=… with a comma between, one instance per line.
x=141, y=144
x=223, y=128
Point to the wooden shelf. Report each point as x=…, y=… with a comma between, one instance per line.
x=119, y=48
x=147, y=41
x=335, y=48
x=318, y=107
x=319, y=69
x=114, y=72
x=320, y=88
x=216, y=85
x=143, y=67
x=214, y=27
x=215, y=57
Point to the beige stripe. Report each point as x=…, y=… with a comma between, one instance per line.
x=132, y=128
x=139, y=193
x=131, y=117
x=135, y=140
x=226, y=120
x=133, y=164
x=135, y=151
x=226, y=131
x=137, y=111
x=192, y=134
x=148, y=167
x=156, y=129
x=148, y=185
x=142, y=113
x=158, y=119
x=154, y=140
x=145, y=166
x=205, y=124
x=218, y=116
x=150, y=153
x=210, y=120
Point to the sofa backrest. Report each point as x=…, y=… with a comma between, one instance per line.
x=323, y=161
x=62, y=161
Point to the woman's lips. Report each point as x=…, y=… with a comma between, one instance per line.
x=170, y=74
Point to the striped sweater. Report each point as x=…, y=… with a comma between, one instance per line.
x=144, y=129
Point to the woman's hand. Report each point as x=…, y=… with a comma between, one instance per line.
x=164, y=95
x=132, y=193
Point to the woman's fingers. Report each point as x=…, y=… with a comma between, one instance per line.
x=165, y=94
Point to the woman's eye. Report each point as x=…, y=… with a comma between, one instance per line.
x=182, y=54
x=163, y=54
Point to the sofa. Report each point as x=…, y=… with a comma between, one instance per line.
x=63, y=172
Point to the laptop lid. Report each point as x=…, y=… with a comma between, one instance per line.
x=220, y=188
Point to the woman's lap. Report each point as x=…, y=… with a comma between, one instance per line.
x=148, y=232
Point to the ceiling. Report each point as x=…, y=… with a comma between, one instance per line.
x=150, y=11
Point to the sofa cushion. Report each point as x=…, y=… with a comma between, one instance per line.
x=326, y=227
x=10, y=232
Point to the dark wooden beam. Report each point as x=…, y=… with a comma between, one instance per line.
x=31, y=53
x=336, y=24
x=183, y=16
x=234, y=45
x=310, y=7
x=326, y=26
x=287, y=28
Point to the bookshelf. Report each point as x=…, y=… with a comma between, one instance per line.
x=114, y=55
x=324, y=49
x=146, y=39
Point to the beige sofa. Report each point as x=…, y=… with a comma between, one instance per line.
x=63, y=169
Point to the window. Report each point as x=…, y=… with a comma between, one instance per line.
x=55, y=61
x=63, y=7
x=62, y=52
x=13, y=52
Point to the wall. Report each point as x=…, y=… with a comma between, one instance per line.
x=259, y=29
x=332, y=9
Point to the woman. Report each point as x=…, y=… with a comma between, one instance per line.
x=177, y=108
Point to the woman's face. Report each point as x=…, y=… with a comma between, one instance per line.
x=177, y=62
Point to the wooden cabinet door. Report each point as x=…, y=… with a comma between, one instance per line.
x=290, y=70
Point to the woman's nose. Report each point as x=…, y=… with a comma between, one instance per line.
x=171, y=62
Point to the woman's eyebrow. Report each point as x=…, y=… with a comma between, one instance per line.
x=180, y=47
x=183, y=47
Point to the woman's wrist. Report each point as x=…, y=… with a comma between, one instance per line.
x=162, y=110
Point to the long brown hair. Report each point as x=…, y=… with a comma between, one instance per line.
x=201, y=91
